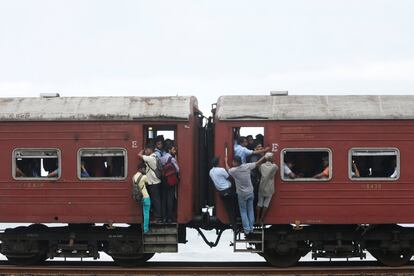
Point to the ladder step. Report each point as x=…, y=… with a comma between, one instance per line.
x=161, y=237
x=252, y=244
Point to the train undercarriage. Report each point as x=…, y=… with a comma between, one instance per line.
x=392, y=245
x=282, y=245
x=30, y=245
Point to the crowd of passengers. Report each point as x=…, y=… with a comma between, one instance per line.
x=157, y=178
x=253, y=172
x=30, y=167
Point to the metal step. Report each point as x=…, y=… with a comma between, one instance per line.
x=252, y=245
x=161, y=237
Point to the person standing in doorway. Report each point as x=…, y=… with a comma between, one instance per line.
x=154, y=183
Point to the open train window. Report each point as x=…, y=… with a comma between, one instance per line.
x=304, y=164
x=374, y=164
x=36, y=164
x=102, y=163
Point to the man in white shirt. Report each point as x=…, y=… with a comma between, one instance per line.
x=219, y=176
x=287, y=170
x=154, y=183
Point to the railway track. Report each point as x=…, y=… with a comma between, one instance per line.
x=207, y=268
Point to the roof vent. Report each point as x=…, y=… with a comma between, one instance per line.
x=49, y=95
x=279, y=93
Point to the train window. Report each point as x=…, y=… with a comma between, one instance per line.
x=102, y=163
x=304, y=164
x=374, y=164
x=36, y=164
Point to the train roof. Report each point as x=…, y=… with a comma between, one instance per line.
x=355, y=107
x=97, y=108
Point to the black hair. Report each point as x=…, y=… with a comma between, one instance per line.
x=168, y=142
x=159, y=138
x=141, y=166
x=237, y=159
x=241, y=139
x=150, y=146
x=168, y=147
x=249, y=136
x=215, y=161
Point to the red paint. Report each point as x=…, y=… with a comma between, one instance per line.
x=71, y=200
x=340, y=200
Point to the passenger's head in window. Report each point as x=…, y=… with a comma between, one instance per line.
x=149, y=149
x=159, y=142
x=258, y=146
x=250, y=142
x=237, y=161
x=242, y=141
x=167, y=143
x=171, y=149
x=325, y=169
x=259, y=138
x=256, y=156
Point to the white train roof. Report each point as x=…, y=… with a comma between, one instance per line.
x=315, y=107
x=96, y=108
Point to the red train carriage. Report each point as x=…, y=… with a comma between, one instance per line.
x=368, y=143
x=40, y=136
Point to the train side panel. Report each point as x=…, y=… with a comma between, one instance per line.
x=339, y=200
x=71, y=200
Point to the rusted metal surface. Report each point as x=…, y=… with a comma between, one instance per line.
x=96, y=108
x=315, y=107
x=59, y=268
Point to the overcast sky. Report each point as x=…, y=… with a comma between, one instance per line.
x=206, y=48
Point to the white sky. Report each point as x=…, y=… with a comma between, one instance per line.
x=206, y=48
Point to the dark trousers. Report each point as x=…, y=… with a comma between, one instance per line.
x=154, y=191
x=168, y=201
x=229, y=202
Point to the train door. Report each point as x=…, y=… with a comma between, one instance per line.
x=164, y=138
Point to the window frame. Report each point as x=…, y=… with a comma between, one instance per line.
x=374, y=178
x=306, y=179
x=78, y=165
x=14, y=165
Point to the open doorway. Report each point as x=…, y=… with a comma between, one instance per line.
x=155, y=133
x=254, y=136
x=164, y=140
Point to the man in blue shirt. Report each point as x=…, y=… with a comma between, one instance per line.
x=240, y=149
x=223, y=185
x=159, y=146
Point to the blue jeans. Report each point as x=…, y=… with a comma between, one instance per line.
x=146, y=205
x=246, y=212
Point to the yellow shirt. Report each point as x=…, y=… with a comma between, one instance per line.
x=141, y=184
